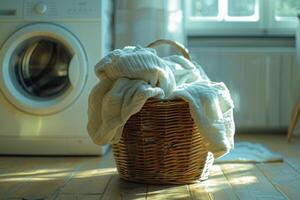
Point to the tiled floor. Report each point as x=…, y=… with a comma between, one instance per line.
x=90, y=178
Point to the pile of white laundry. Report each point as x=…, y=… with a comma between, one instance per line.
x=130, y=76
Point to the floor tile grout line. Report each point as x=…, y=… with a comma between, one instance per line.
x=292, y=166
x=147, y=189
x=190, y=193
x=57, y=192
x=106, y=187
x=20, y=185
x=270, y=181
x=226, y=177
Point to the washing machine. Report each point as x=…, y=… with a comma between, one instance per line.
x=48, y=50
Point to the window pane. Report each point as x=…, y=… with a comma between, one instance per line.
x=241, y=8
x=205, y=8
x=287, y=8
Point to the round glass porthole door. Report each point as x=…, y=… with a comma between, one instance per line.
x=43, y=69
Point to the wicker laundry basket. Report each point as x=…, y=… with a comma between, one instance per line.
x=161, y=144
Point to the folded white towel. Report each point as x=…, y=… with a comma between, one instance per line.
x=132, y=75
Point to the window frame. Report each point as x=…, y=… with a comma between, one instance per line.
x=265, y=25
x=281, y=27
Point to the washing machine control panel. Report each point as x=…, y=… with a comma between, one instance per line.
x=62, y=9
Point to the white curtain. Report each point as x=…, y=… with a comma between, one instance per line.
x=296, y=77
x=140, y=22
x=297, y=74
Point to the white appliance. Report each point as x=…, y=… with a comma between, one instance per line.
x=48, y=50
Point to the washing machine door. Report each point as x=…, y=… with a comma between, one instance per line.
x=43, y=69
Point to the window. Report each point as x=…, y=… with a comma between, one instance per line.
x=242, y=17
x=242, y=10
x=286, y=9
x=231, y=10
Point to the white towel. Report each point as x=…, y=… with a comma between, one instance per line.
x=246, y=152
x=132, y=75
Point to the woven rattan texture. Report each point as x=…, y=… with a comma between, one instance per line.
x=161, y=144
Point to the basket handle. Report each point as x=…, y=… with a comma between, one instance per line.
x=177, y=45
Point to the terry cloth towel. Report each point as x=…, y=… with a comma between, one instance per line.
x=246, y=152
x=130, y=76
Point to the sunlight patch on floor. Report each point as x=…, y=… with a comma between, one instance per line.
x=215, y=185
x=53, y=174
x=37, y=175
x=96, y=172
x=244, y=180
x=163, y=196
x=36, y=172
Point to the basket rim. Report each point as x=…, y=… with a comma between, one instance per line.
x=157, y=102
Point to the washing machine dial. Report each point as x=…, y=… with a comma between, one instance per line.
x=40, y=8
